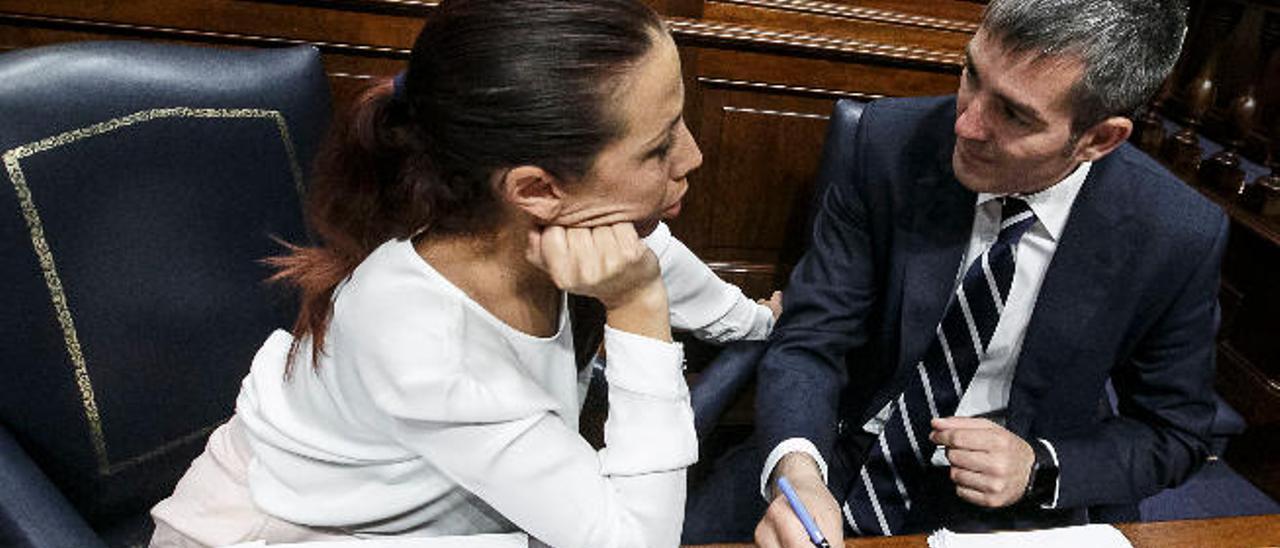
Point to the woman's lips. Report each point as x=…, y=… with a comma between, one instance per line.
x=673, y=211
x=675, y=207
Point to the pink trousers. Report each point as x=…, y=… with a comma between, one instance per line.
x=211, y=505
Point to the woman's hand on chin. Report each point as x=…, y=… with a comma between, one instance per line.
x=610, y=264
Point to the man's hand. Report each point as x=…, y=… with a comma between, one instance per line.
x=780, y=527
x=989, y=465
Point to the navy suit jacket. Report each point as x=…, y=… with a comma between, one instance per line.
x=1130, y=295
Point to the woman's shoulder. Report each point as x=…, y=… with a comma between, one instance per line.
x=391, y=286
x=404, y=333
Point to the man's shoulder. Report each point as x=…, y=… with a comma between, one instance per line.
x=1161, y=192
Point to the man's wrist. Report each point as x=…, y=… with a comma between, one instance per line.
x=792, y=446
x=1043, y=479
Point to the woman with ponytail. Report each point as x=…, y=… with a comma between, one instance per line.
x=429, y=384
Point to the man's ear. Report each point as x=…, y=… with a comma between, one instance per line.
x=1102, y=138
x=534, y=191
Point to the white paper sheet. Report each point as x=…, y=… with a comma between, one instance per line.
x=1093, y=536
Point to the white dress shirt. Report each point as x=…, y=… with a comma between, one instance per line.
x=988, y=392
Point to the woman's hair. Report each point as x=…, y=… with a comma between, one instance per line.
x=491, y=84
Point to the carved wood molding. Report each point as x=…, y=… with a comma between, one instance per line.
x=741, y=267
x=682, y=28
x=817, y=44
x=389, y=7
x=845, y=11
x=772, y=112
x=785, y=89
x=151, y=31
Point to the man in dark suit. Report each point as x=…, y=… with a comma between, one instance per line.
x=988, y=263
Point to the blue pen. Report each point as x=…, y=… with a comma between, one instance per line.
x=815, y=535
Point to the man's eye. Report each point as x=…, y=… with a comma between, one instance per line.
x=662, y=151
x=1015, y=117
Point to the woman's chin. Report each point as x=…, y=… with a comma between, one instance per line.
x=646, y=227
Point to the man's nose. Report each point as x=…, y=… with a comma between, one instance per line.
x=970, y=124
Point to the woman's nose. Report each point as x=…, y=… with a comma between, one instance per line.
x=689, y=156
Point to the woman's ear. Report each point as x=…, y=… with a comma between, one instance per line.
x=534, y=191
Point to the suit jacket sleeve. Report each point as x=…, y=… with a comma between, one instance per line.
x=1165, y=399
x=826, y=306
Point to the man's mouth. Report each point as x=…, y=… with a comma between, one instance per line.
x=968, y=155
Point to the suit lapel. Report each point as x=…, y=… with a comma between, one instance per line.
x=942, y=218
x=1074, y=290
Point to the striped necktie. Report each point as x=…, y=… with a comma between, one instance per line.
x=879, y=501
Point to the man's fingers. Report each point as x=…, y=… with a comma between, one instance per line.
x=973, y=496
x=766, y=536
x=975, y=481
x=976, y=461
x=981, y=439
x=962, y=423
x=781, y=527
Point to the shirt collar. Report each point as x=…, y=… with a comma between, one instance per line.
x=1052, y=205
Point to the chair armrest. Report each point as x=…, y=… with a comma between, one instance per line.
x=33, y=513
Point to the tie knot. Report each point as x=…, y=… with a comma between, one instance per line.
x=1013, y=207
x=1016, y=218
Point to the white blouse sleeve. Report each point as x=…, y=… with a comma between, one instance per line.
x=461, y=402
x=702, y=303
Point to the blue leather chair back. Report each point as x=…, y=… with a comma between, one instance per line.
x=837, y=152
x=141, y=186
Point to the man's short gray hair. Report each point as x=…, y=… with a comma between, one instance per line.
x=1128, y=47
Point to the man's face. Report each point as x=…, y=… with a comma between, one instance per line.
x=1013, y=119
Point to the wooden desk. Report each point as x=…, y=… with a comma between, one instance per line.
x=1250, y=532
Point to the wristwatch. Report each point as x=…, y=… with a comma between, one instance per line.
x=1044, y=475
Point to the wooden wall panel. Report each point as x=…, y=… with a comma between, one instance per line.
x=753, y=190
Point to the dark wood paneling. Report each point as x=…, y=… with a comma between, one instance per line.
x=762, y=152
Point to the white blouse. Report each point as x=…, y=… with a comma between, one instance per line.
x=711, y=309
x=429, y=416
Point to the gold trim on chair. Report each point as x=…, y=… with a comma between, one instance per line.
x=12, y=163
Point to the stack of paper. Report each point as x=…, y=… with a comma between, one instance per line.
x=512, y=540
x=1093, y=536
